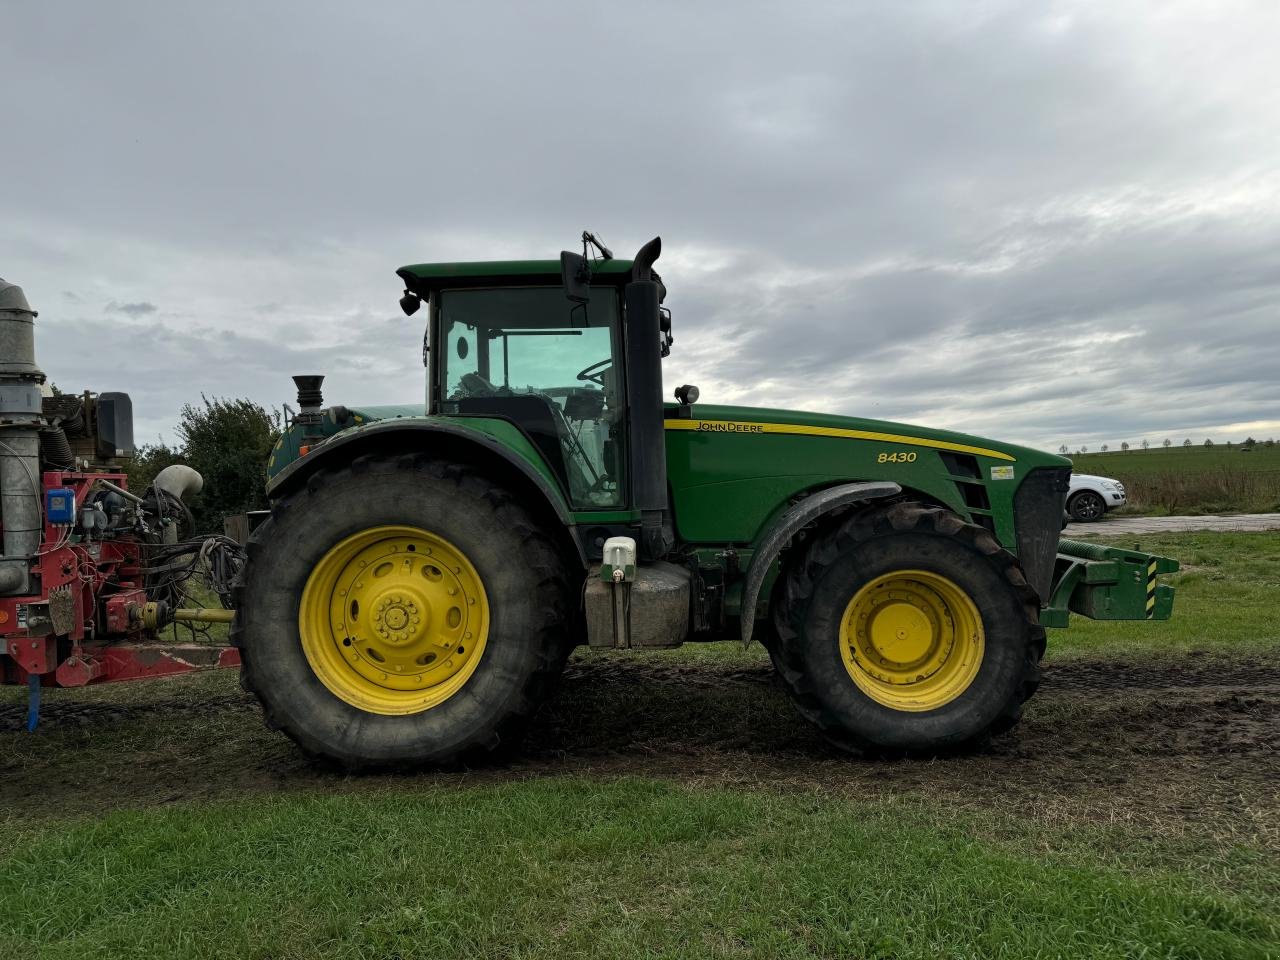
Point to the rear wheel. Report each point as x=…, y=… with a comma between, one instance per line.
x=401, y=611
x=903, y=628
x=1086, y=506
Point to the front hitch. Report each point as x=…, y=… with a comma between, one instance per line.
x=1107, y=583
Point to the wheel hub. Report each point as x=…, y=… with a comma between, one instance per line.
x=394, y=619
x=912, y=640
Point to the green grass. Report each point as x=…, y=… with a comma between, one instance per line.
x=1195, y=480
x=571, y=867
x=1226, y=600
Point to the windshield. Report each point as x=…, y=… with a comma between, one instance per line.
x=504, y=344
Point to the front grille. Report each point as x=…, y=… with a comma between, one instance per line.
x=1037, y=510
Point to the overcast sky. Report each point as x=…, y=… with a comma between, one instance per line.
x=1046, y=222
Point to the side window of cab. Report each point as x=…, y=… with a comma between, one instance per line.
x=530, y=356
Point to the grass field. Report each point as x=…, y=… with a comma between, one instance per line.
x=672, y=804
x=1192, y=480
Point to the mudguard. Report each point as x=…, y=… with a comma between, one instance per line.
x=792, y=520
x=407, y=435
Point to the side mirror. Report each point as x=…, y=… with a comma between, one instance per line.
x=576, y=276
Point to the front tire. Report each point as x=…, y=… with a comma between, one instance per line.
x=401, y=611
x=905, y=629
x=1086, y=507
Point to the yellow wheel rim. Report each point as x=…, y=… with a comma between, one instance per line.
x=393, y=620
x=912, y=640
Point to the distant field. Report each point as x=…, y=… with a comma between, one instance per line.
x=1194, y=479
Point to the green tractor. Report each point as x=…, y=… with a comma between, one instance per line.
x=423, y=574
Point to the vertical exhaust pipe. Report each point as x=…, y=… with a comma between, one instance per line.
x=21, y=418
x=310, y=399
x=647, y=435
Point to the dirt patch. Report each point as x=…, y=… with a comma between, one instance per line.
x=1191, y=745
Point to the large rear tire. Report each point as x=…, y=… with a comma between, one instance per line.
x=905, y=629
x=401, y=611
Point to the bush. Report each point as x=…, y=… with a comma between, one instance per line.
x=229, y=442
x=148, y=460
x=1223, y=488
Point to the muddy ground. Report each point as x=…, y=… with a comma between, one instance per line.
x=1190, y=745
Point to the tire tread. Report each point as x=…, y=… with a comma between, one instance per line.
x=809, y=561
x=540, y=555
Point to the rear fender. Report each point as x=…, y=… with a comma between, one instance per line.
x=449, y=441
x=790, y=522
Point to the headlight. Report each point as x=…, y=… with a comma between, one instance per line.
x=1111, y=485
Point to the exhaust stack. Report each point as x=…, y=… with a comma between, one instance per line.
x=20, y=422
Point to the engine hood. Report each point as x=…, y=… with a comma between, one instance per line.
x=733, y=419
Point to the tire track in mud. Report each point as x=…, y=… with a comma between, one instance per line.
x=1193, y=740
x=1251, y=675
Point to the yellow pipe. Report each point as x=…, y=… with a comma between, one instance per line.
x=204, y=615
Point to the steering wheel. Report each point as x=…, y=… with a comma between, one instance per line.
x=594, y=373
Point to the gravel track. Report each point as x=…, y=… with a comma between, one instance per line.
x=1123, y=526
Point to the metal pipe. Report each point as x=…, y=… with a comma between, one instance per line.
x=179, y=481
x=21, y=418
x=204, y=614
x=120, y=490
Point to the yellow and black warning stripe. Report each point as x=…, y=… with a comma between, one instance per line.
x=1151, y=588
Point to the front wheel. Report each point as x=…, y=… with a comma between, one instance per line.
x=1086, y=507
x=401, y=610
x=906, y=629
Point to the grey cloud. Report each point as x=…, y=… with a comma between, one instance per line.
x=1052, y=222
x=140, y=309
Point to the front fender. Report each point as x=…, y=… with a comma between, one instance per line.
x=791, y=522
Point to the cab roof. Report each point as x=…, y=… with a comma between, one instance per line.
x=422, y=278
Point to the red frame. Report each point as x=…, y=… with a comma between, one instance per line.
x=107, y=640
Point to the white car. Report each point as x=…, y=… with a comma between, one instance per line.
x=1090, y=497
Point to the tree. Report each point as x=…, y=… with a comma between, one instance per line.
x=1186, y=442
x=1124, y=446
x=148, y=460
x=1104, y=448
x=1249, y=442
x=229, y=442
x=1084, y=449
x=1145, y=443
x=1270, y=442
x=1064, y=449
x=1167, y=443
x=1208, y=442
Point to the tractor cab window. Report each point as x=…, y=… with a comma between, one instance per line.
x=530, y=356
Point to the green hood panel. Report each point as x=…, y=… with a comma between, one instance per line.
x=712, y=415
x=731, y=469
x=387, y=411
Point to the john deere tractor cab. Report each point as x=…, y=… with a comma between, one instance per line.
x=424, y=573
